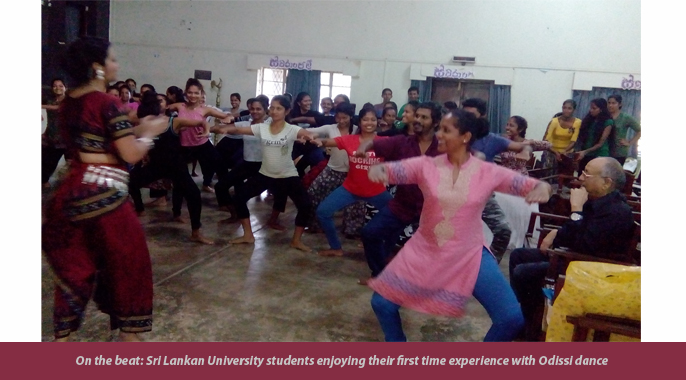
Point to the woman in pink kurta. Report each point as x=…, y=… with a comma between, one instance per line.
x=446, y=261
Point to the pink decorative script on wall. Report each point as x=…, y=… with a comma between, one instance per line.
x=442, y=72
x=287, y=64
x=630, y=83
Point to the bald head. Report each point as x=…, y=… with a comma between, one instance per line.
x=613, y=170
x=601, y=176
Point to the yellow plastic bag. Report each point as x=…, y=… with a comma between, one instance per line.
x=598, y=288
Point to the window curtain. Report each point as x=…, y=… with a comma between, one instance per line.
x=631, y=104
x=304, y=80
x=424, y=87
x=498, y=107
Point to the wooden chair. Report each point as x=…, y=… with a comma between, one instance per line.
x=633, y=197
x=635, y=205
x=548, y=222
x=560, y=259
x=629, y=185
x=603, y=326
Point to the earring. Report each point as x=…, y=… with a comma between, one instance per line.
x=99, y=74
x=464, y=141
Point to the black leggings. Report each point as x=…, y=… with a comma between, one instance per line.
x=281, y=187
x=50, y=157
x=235, y=178
x=207, y=156
x=184, y=187
x=311, y=156
x=230, y=153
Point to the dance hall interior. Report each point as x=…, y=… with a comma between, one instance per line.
x=341, y=171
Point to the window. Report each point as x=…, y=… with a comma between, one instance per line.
x=443, y=90
x=333, y=84
x=271, y=82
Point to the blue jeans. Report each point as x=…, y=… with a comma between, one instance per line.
x=491, y=290
x=338, y=199
x=379, y=236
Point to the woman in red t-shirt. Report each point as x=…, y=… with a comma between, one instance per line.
x=356, y=186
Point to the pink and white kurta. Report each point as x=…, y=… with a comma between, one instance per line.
x=436, y=270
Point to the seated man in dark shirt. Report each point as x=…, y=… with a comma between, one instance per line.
x=601, y=224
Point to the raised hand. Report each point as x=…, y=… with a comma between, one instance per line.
x=378, y=174
x=577, y=198
x=540, y=193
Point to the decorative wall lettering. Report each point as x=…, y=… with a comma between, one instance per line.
x=442, y=72
x=630, y=84
x=277, y=63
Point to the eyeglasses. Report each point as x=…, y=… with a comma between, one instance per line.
x=583, y=173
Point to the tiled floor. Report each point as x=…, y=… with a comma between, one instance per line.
x=262, y=292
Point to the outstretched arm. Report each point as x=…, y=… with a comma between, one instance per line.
x=304, y=119
x=514, y=183
x=304, y=135
x=407, y=171
x=224, y=117
x=231, y=129
x=50, y=107
x=132, y=149
x=517, y=146
x=364, y=148
x=327, y=143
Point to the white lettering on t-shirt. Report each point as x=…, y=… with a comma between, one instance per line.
x=371, y=159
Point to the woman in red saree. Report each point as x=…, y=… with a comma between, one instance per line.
x=90, y=225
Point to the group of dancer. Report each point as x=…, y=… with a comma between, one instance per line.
x=440, y=160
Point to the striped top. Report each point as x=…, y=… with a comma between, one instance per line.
x=277, y=150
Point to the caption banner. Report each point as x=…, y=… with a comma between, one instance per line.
x=330, y=362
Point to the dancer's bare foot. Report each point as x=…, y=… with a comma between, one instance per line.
x=243, y=240
x=208, y=189
x=159, y=202
x=196, y=236
x=180, y=219
x=331, y=253
x=363, y=281
x=275, y=225
x=129, y=337
x=300, y=246
x=224, y=208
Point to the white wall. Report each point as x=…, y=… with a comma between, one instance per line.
x=544, y=47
